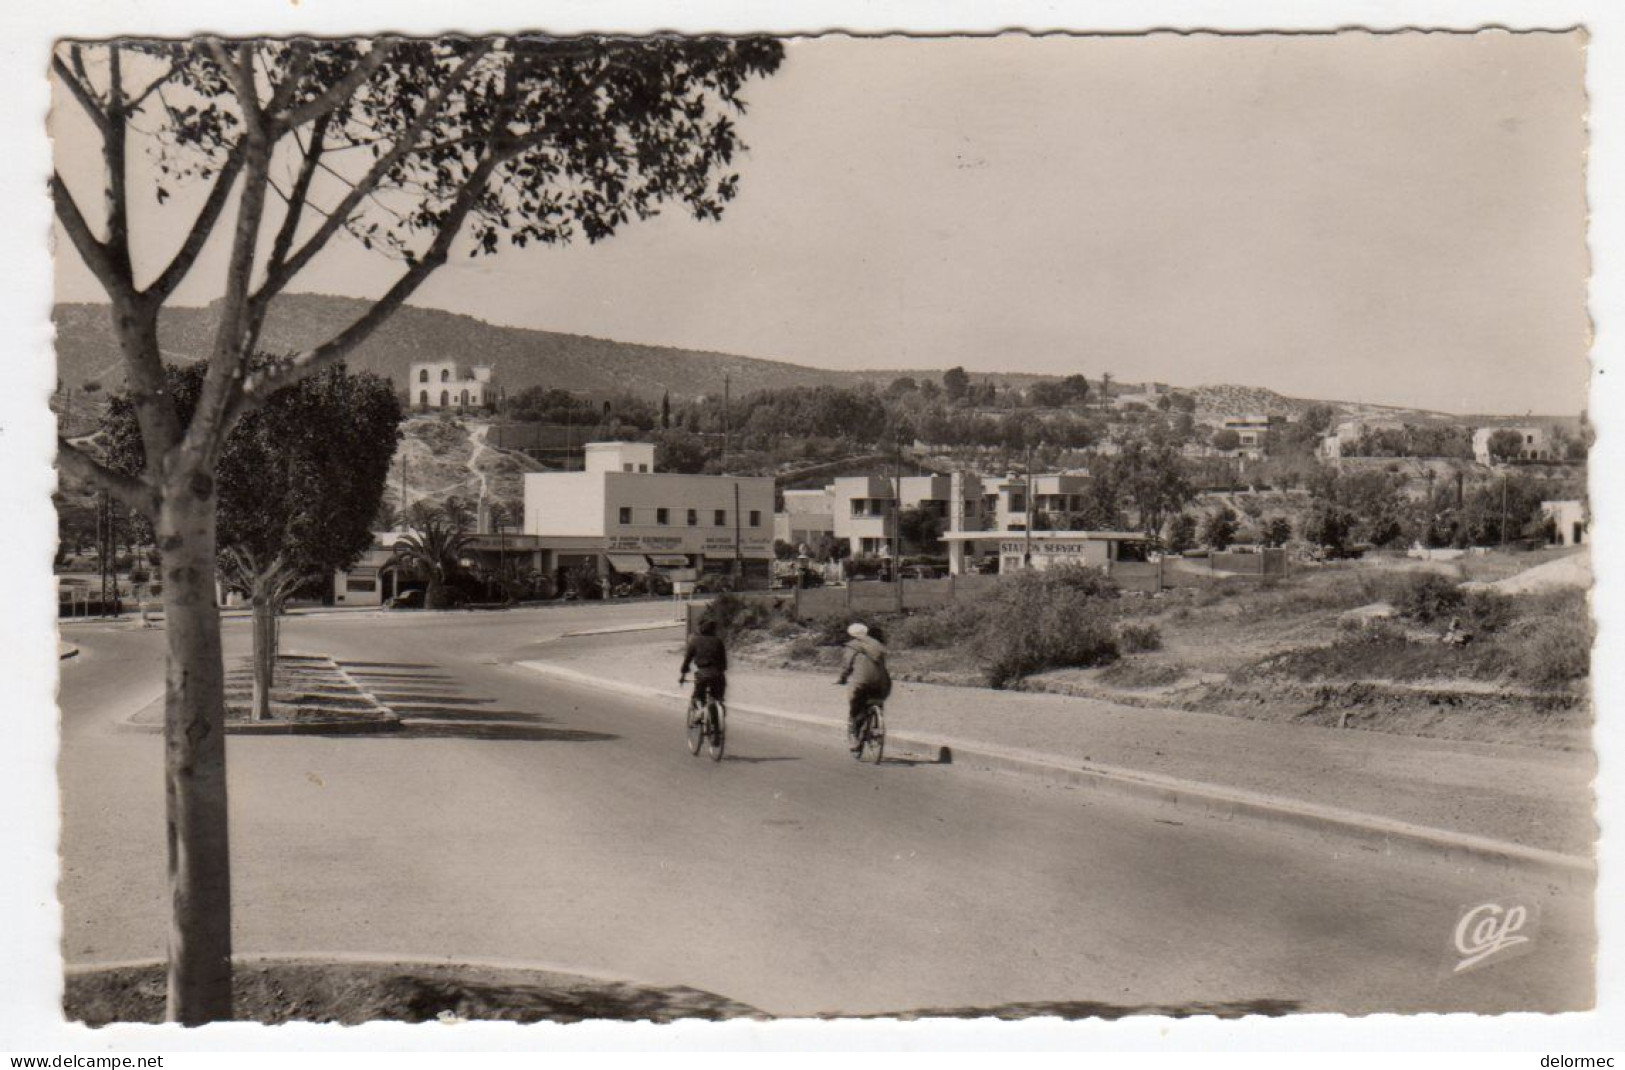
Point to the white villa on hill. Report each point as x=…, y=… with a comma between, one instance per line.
x=442, y=384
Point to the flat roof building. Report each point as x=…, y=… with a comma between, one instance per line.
x=620, y=515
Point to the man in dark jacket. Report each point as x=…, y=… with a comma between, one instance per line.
x=865, y=666
x=709, y=659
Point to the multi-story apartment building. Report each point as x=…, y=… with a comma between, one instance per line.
x=621, y=515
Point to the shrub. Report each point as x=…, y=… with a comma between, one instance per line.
x=735, y=614
x=940, y=626
x=1557, y=653
x=1138, y=638
x=1045, y=620
x=829, y=629
x=1428, y=597
x=803, y=649
x=1487, y=611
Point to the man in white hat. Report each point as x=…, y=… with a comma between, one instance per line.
x=865, y=666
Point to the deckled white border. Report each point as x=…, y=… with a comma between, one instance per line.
x=29, y=917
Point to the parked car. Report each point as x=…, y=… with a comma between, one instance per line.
x=406, y=600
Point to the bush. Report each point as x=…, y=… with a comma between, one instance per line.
x=734, y=613
x=1428, y=597
x=1138, y=638
x=829, y=629
x=1045, y=620
x=1487, y=611
x=940, y=626
x=1557, y=653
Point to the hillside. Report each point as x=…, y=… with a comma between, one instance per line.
x=86, y=350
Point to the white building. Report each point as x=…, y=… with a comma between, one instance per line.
x=807, y=516
x=1568, y=522
x=1536, y=445
x=620, y=515
x=862, y=510
x=1041, y=549
x=443, y=385
x=1253, y=432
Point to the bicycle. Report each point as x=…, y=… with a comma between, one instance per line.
x=870, y=742
x=707, y=726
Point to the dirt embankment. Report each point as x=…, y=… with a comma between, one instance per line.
x=1302, y=651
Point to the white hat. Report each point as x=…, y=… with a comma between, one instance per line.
x=857, y=631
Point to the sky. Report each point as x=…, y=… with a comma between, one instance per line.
x=1394, y=218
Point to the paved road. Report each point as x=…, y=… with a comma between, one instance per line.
x=568, y=827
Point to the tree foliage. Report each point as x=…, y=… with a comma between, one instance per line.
x=1505, y=444
x=1219, y=528
x=300, y=479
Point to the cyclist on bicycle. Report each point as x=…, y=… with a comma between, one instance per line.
x=865, y=666
x=710, y=661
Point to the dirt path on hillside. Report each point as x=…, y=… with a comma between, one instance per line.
x=476, y=437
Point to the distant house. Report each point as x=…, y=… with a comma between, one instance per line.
x=1253, y=432
x=1339, y=439
x=1536, y=446
x=444, y=385
x=1566, y=522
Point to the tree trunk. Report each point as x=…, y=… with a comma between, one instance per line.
x=199, y=983
x=264, y=605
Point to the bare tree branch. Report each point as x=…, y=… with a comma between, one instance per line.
x=299, y=194
x=296, y=200
x=275, y=282
x=201, y=228
x=115, y=142
x=90, y=248
x=132, y=491
x=240, y=72
x=137, y=99
x=339, y=91
x=81, y=93
x=263, y=384
x=211, y=421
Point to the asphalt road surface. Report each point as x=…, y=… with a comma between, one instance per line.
x=553, y=824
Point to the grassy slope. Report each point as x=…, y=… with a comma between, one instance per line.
x=1280, y=652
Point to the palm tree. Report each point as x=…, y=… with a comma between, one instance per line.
x=434, y=545
x=506, y=514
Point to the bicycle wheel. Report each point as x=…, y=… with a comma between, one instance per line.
x=717, y=734
x=696, y=728
x=873, y=737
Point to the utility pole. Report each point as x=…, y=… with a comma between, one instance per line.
x=739, y=562
x=1503, y=509
x=897, y=523
x=1032, y=513
x=727, y=431
x=400, y=520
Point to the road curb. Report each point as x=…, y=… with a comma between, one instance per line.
x=278, y=728
x=388, y=723
x=1214, y=800
x=619, y=628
